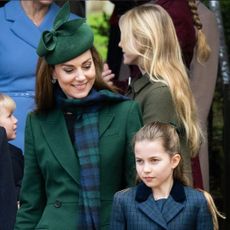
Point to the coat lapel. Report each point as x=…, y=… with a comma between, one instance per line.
x=23, y=27
x=56, y=133
x=175, y=203
x=150, y=209
x=57, y=136
x=105, y=119
x=171, y=209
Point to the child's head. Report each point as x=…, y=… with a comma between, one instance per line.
x=7, y=119
x=147, y=31
x=157, y=154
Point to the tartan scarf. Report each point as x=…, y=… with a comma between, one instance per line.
x=86, y=145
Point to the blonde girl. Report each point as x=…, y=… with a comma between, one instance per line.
x=149, y=40
x=163, y=200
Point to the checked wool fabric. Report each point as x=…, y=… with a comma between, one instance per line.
x=86, y=144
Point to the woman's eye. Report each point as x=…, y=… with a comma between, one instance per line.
x=86, y=67
x=68, y=70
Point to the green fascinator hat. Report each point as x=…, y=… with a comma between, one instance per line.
x=66, y=40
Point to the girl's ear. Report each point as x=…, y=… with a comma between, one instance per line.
x=175, y=160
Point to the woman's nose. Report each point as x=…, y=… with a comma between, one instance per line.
x=80, y=75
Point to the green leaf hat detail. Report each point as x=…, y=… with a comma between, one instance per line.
x=66, y=40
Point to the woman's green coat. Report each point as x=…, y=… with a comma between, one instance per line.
x=50, y=188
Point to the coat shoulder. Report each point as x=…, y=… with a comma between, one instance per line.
x=195, y=196
x=126, y=194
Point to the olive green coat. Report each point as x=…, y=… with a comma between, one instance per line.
x=50, y=188
x=156, y=104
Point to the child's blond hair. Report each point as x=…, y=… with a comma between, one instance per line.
x=7, y=102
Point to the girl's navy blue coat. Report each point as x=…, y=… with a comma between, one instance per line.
x=185, y=208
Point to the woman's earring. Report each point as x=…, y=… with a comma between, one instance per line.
x=53, y=80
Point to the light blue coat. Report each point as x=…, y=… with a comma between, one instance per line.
x=19, y=38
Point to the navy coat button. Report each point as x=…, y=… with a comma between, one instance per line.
x=57, y=204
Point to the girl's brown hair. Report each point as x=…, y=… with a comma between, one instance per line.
x=167, y=134
x=169, y=137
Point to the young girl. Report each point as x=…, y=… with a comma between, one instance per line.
x=162, y=200
x=149, y=40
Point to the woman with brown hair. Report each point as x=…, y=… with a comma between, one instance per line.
x=77, y=137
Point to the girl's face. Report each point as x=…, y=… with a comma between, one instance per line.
x=154, y=165
x=77, y=76
x=9, y=122
x=129, y=58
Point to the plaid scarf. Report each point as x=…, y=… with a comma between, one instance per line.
x=86, y=144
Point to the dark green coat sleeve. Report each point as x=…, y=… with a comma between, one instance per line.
x=133, y=124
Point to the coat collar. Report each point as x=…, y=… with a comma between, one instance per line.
x=173, y=205
x=23, y=27
x=61, y=145
x=140, y=83
x=177, y=192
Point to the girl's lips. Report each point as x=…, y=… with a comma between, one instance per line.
x=148, y=179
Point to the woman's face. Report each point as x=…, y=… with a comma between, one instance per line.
x=77, y=76
x=154, y=165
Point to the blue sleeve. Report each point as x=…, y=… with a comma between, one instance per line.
x=204, y=217
x=117, y=215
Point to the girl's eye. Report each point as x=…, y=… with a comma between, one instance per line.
x=154, y=160
x=139, y=161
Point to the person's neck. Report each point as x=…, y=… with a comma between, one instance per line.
x=163, y=191
x=34, y=10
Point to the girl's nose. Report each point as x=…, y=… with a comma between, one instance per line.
x=146, y=168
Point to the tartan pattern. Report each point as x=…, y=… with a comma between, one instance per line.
x=86, y=143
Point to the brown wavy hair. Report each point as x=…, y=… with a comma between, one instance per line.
x=44, y=90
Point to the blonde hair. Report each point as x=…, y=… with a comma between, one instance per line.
x=202, y=48
x=169, y=137
x=7, y=102
x=213, y=209
x=148, y=32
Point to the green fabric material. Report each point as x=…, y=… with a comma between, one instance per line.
x=156, y=104
x=66, y=40
x=51, y=182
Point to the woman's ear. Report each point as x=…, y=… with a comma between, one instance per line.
x=54, y=74
x=175, y=160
